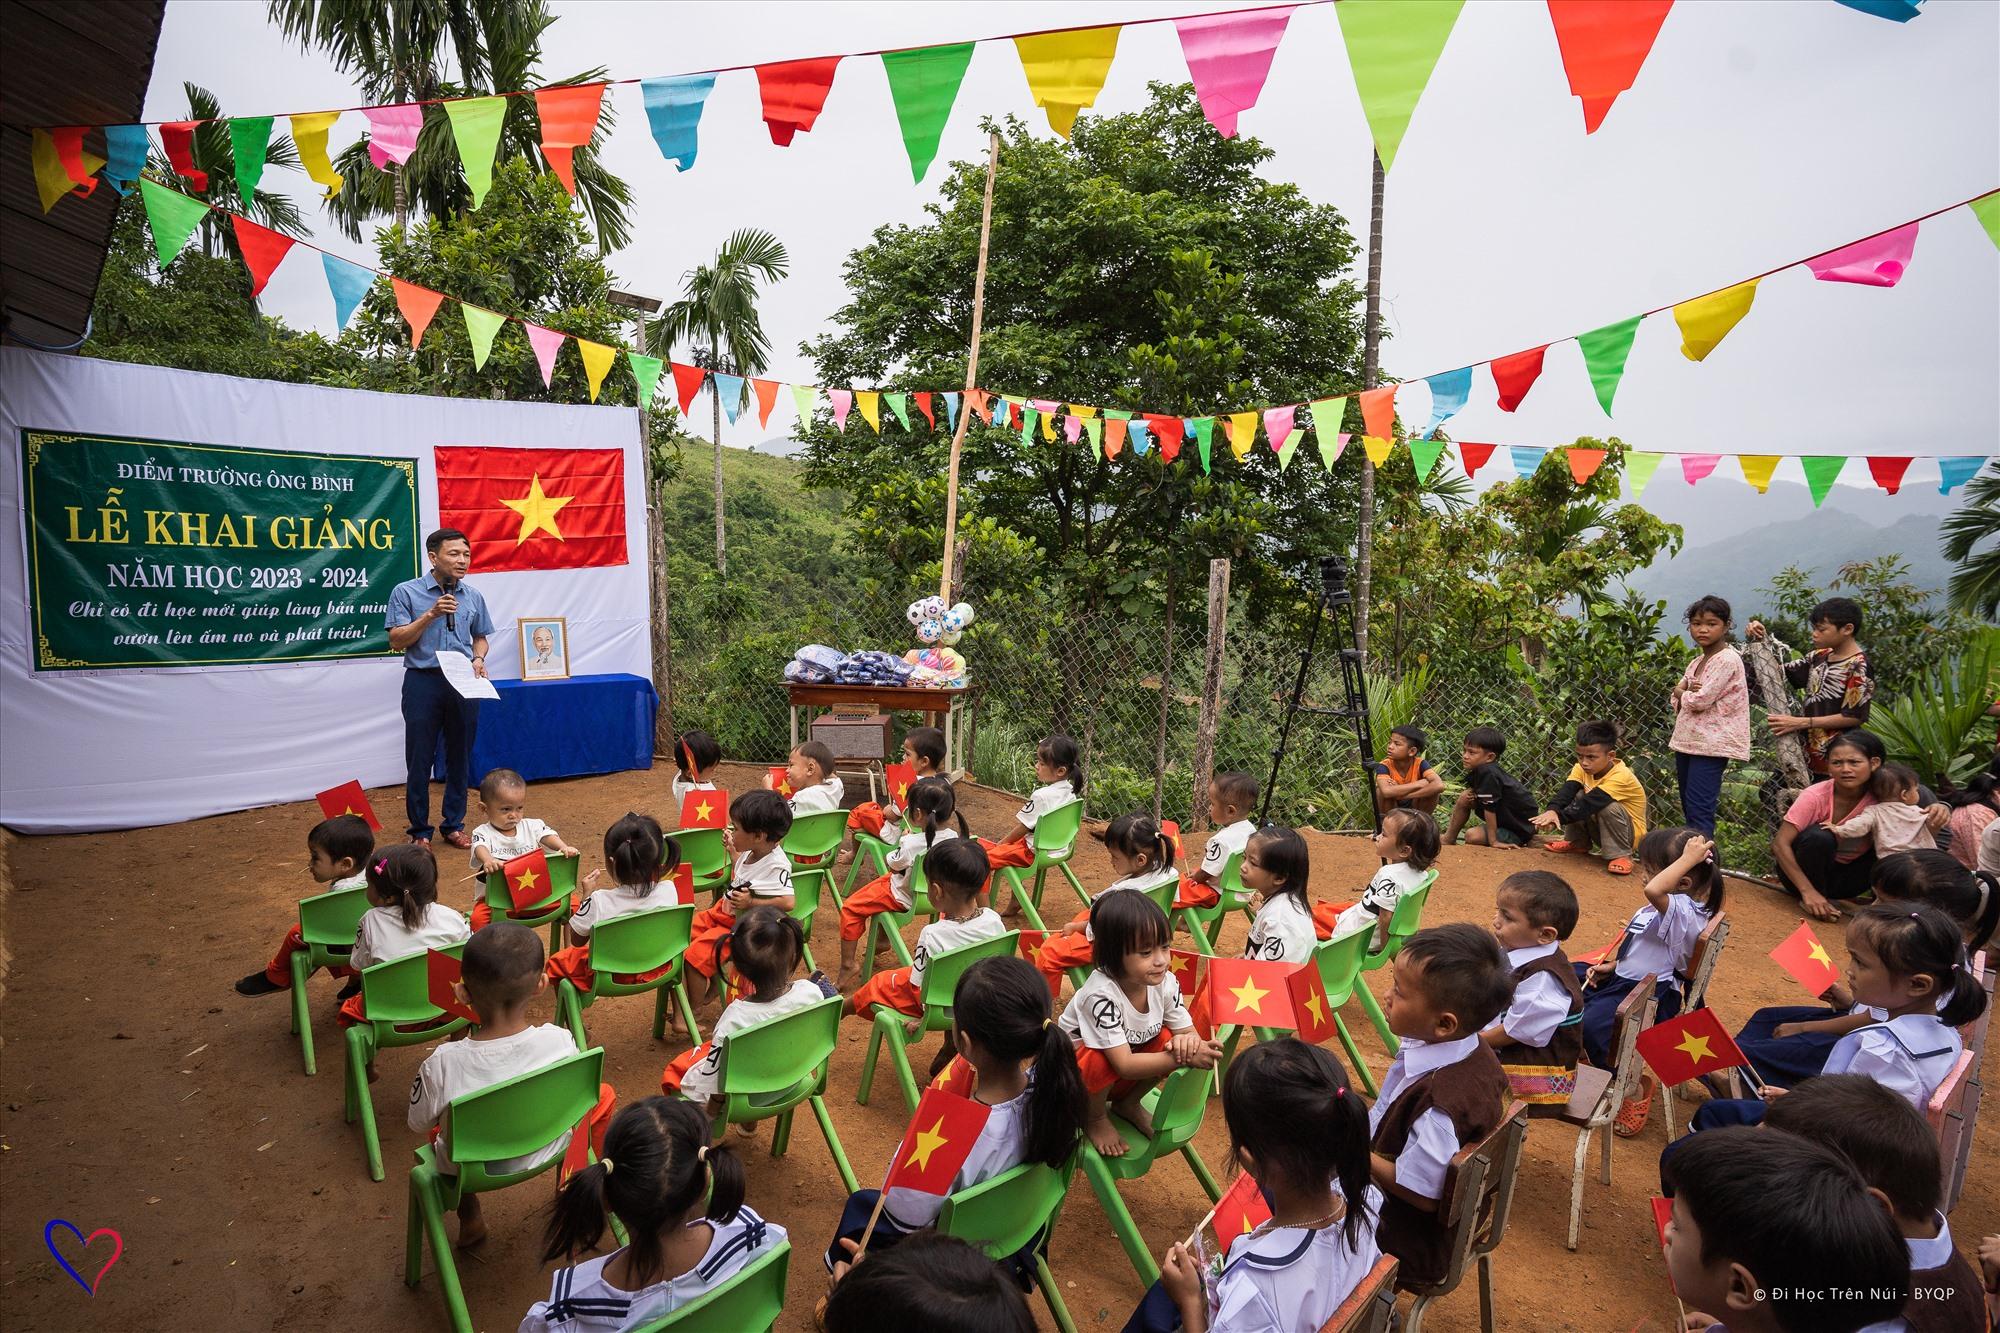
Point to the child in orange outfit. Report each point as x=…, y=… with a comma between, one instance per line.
x=1230, y=796
x=642, y=859
x=406, y=917
x=1059, y=768
x=336, y=849
x=957, y=871
x=508, y=832
x=762, y=874
x=923, y=751
x=767, y=947
x=932, y=804
x=1143, y=856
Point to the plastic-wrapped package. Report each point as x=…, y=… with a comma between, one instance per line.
x=819, y=655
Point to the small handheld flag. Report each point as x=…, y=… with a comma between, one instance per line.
x=683, y=885
x=781, y=782
x=940, y=1137
x=348, y=799
x=1807, y=960
x=1311, y=1006
x=897, y=780
x=442, y=972
x=1031, y=945
x=527, y=879
x=1249, y=992
x=705, y=809
x=1240, y=1211
x=1690, y=1045
x=1186, y=964
x=1597, y=956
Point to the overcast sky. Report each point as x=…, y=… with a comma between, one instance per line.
x=1757, y=134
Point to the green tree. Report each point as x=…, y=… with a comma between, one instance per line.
x=718, y=311
x=1902, y=626
x=1975, y=584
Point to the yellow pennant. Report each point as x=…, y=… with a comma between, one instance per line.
x=52, y=180
x=1707, y=320
x=597, y=359
x=1377, y=447
x=870, y=403
x=1083, y=410
x=1757, y=469
x=1242, y=433
x=1049, y=427
x=1066, y=70
x=309, y=131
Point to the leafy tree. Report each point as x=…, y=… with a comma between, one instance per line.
x=1902, y=626
x=1975, y=584
x=718, y=309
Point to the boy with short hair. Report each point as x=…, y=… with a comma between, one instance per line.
x=1230, y=796
x=1835, y=683
x=1781, y=1236
x=1601, y=805
x=1497, y=805
x=336, y=851
x=761, y=874
x=1444, y=1089
x=1539, y=1039
x=923, y=751
x=500, y=975
x=815, y=787
x=1404, y=779
x=508, y=832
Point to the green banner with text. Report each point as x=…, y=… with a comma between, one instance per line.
x=147, y=553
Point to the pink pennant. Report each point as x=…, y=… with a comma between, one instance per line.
x=1888, y=472
x=1072, y=429
x=546, y=342
x=1474, y=456
x=843, y=402
x=1229, y=57
x=392, y=132
x=1514, y=375
x=1878, y=261
x=1046, y=407
x=1696, y=466
x=1278, y=424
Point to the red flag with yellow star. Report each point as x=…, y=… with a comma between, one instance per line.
x=781, y=781
x=1242, y=1209
x=1310, y=1005
x=1185, y=964
x=1250, y=992
x=1806, y=958
x=1693, y=1044
x=897, y=780
x=348, y=799
x=527, y=879
x=442, y=974
x=1031, y=945
x=705, y=809
x=940, y=1137
x=534, y=508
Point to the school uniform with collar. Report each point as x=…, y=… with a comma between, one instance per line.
x=1224, y=843
x=763, y=877
x=1060, y=953
x=697, y=1074
x=1282, y=932
x=573, y=963
x=1436, y=1098
x=902, y=988
x=890, y=892
x=1544, y=1022
x=683, y=788
x=1656, y=943
x=581, y=1301
x=819, y=798
x=1099, y=1017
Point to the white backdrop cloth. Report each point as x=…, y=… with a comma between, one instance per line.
x=88, y=750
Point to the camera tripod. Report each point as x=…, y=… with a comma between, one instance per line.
x=1336, y=603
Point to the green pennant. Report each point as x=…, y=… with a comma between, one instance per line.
x=173, y=217
x=1393, y=45
x=924, y=84
x=1117, y=414
x=1821, y=471
x=1095, y=429
x=899, y=403
x=1327, y=414
x=1290, y=447
x=1604, y=353
x=802, y=403
x=480, y=326
x=1029, y=416
x=646, y=370
x=475, y=127
x=1987, y=209
x=249, y=140
x=1424, y=456
x=1639, y=468
x=1204, y=438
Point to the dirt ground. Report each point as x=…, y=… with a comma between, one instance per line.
x=143, y=1095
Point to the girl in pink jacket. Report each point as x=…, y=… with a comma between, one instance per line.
x=1711, y=713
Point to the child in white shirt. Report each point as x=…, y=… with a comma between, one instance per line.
x=1059, y=770
x=1539, y=1039
x=1143, y=856
x=1230, y=797
x=923, y=751
x=957, y=870
x=642, y=859
x=336, y=849
x=507, y=832
x=696, y=757
x=501, y=976
x=1408, y=845
x=762, y=874
x=1278, y=872
x=680, y=1199
x=766, y=948
x=816, y=789
x=405, y=918
x=933, y=809
x=1896, y=822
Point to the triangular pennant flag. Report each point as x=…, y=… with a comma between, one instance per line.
x=1583, y=463
x=1879, y=261
x=1114, y=437
x=392, y=132
x=802, y=403
x=1095, y=429
x=1229, y=57
x=309, y=133
x=1048, y=417
x=794, y=91
x=1083, y=409
x=597, y=359
x=475, y=128
x=843, y=402
x=262, y=249
x=951, y=411
x=1603, y=44
x=728, y=388
x=172, y=216
x=767, y=398
x=1169, y=431
x=125, y=147
x=348, y=282
x=927, y=407
x=68, y=145
x=1290, y=447
x=1707, y=320
x=687, y=383
x=1141, y=435
x=1393, y=45
x=1987, y=209
x=569, y=117
x=1604, y=353
x=923, y=83
x=1066, y=70
x=1955, y=472
x=249, y=141
x=547, y=343
x=1424, y=455
x=1448, y=394
x=1377, y=449
x=1474, y=456
x=178, y=137
x=52, y=159
x=1327, y=414
x=1896, y=11
x=1278, y=423
x=1757, y=469
x=1204, y=440
x=645, y=373
x=1527, y=459
x=1639, y=469
x=870, y=403
x=673, y=111
x=418, y=305
x=1514, y=375
x=982, y=404
x=1694, y=467
x=1378, y=406
x=1072, y=429
x=1821, y=472
x=1029, y=416
x=347, y=799
x=1888, y=472
x=1242, y=433
x=480, y=326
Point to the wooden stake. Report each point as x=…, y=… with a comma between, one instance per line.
x=1211, y=692
x=971, y=369
x=1371, y=363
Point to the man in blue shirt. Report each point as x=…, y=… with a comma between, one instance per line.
x=439, y=611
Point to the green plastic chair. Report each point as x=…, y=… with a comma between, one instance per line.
x=512, y=1119
x=1339, y=962
x=631, y=946
x=400, y=1013
x=325, y=920
x=1403, y=923
x=1163, y=896
x=1000, y=1216
x=551, y=911
x=891, y=924
x=1055, y=843
x=769, y=1069
x=1204, y=923
x=704, y=850
x=749, y=1302
x=812, y=838
x=868, y=845
x=941, y=976
x=1176, y=1105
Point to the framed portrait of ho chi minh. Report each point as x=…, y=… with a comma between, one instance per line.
x=544, y=648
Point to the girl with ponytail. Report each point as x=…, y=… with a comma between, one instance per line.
x=404, y=916
x=642, y=861
x=1059, y=770
x=930, y=817
x=680, y=1200
x=1143, y=856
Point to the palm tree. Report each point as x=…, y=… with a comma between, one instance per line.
x=1975, y=584
x=718, y=311
x=213, y=154
x=394, y=52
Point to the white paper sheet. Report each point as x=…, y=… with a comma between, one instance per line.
x=457, y=668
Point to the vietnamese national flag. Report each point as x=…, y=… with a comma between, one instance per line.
x=941, y=1136
x=527, y=879
x=534, y=508
x=348, y=799
x=1310, y=1005
x=442, y=974
x=781, y=781
x=1031, y=945
x=1249, y=992
x=1693, y=1044
x=897, y=778
x=1663, y=1213
x=682, y=881
x=705, y=809
x=1598, y=956
x=1242, y=1209
x=1806, y=959
x=1185, y=964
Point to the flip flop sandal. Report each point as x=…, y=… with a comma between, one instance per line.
x=1621, y=866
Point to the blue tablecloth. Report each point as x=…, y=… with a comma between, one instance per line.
x=563, y=728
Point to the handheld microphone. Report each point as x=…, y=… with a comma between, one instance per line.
x=450, y=618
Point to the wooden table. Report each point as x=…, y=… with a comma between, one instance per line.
x=943, y=707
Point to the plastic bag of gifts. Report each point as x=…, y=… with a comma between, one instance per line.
x=814, y=664
x=870, y=667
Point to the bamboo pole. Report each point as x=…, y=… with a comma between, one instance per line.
x=971, y=368
x=1211, y=693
